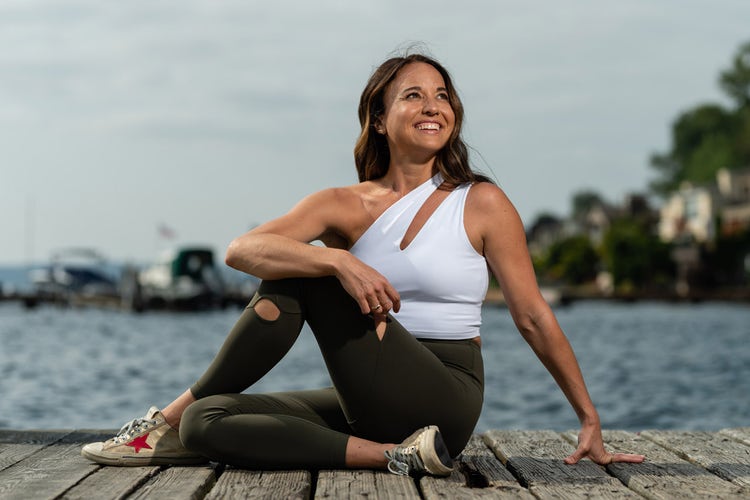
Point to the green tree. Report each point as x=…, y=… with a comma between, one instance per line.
x=702, y=143
x=572, y=260
x=735, y=81
x=635, y=257
x=709, y=136
x=726, y=263
x=583, y=201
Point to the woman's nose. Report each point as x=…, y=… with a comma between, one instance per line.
x=430, y=106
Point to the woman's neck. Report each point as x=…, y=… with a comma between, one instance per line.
x=403, y=177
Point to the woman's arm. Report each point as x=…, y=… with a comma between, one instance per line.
x=494, y=224
x=281, y=249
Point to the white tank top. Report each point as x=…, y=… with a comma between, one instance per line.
x=441, y=278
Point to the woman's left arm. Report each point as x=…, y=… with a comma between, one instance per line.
x=494, y=226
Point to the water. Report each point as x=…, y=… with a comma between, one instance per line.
x=647, y=365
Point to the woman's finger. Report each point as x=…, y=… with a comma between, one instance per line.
x=393, y=298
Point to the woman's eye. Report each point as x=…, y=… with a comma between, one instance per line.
x=443, y=96
x=413, y=95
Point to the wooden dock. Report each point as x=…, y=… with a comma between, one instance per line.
x=496, y=464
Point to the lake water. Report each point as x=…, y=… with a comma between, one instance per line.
x=647, y=365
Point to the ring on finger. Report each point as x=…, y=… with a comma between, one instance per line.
x=377, y=307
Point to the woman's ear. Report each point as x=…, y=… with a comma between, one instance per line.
x=379, y=128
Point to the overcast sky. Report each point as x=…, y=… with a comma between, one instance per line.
x=211, y=116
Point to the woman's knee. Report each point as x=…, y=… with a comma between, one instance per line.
x=269, y=306
x=266, y=309
x=196, y=420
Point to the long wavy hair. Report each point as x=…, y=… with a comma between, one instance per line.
x=371, y=153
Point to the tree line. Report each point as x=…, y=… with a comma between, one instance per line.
x=704, y=139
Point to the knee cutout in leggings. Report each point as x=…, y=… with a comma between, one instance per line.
x=266, y=309
x=270, y=307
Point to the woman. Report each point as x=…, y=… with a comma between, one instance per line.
x=394, y=302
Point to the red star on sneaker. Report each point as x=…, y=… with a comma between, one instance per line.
x=139, y=443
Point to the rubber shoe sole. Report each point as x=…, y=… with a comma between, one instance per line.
x=94, y=452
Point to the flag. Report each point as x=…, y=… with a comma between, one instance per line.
x=166, y=232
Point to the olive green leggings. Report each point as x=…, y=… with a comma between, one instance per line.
x=383, y=390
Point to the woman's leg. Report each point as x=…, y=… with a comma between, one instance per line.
x=264, y=333
x=174, y=410
x=271, y=431
x=258, y=341
x=277, y=431
x=385, y=388
x=392, y=386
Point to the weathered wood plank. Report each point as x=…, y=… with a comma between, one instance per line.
x=47, y=464
x=17, y=445
x=111, y=483
x=663, y=475
x=536, y=457
x=192, y=482
x=16, y=436
x=741, y=434
x=716, y=452
x=364, y=484
x=107, y=482
x=49, y=472
x=238, y=483
x=478, y=474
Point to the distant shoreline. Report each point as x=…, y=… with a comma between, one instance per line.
x=566, y=295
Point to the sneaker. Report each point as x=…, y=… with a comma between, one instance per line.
x=424, y=452
x=143, y=441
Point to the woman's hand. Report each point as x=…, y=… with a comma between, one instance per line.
x=372, y=291
x=591, y=445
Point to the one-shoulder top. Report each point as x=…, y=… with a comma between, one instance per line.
x=441, y=278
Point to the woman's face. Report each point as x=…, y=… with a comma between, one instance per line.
x=418, y=118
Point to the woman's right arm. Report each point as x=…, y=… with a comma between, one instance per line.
x=281, y=249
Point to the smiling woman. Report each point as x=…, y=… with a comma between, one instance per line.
x=418, y=118
x=394, y=301
x=372, y=150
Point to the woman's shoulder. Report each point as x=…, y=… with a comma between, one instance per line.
x=340, y=206
x=489, y=208
x=488, y=197
x=335, y=196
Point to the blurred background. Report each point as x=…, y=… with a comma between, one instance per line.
x=138, y=138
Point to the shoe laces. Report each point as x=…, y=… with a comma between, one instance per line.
x=403, y=460
x=133, y=427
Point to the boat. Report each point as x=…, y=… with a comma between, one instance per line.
x=74, y=276
x=181, y=279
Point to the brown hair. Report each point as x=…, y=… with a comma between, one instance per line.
x=371, y=153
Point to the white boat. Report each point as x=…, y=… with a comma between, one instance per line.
x=183, y=279
x=74, y=276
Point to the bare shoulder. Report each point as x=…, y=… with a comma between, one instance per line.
x=340, y=213
x=488, y=200
x=333, y=200
x=489, y=215
x=331, y=195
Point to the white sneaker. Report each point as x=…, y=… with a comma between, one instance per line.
x=148, y=440
x=424, y=452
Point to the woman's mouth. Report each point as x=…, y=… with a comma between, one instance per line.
x=428, y=126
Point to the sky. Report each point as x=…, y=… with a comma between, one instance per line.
x=206, y=118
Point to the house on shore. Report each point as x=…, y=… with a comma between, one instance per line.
x=706, y=228
x=699, y=213
x=693, y=217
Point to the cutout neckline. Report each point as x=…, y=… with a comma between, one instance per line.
x=429, y=206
